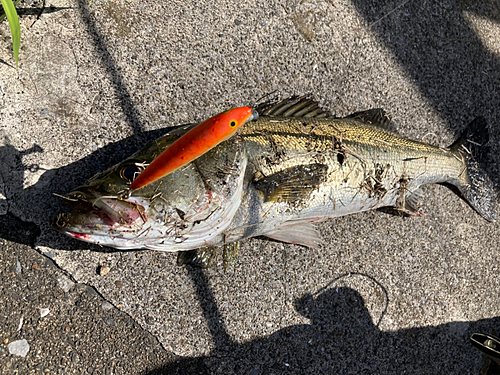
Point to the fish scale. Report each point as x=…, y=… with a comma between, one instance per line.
x=369, y=146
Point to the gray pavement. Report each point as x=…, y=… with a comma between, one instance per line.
x=385, y=294
x=69, y=327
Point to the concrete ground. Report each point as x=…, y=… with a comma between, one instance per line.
x=385, y=294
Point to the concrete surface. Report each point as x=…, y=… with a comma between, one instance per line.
x=385, y=294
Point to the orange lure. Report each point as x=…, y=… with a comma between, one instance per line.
x=194, y=143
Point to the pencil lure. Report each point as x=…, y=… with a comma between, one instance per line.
x=194, y=144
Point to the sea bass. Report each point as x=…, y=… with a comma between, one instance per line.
x=294, y=166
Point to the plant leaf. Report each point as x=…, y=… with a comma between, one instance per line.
x=15, y=28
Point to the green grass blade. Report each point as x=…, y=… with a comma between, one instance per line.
x=2, y=17
x=15, y=28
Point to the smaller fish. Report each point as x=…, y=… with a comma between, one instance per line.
x=195, y=143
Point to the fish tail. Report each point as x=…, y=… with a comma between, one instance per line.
x=474, y=184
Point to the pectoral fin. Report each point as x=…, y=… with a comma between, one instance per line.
x=292, y=184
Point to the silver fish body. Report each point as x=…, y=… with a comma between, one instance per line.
x=292, y=167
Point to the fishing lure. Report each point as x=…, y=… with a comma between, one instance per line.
x=195, y=143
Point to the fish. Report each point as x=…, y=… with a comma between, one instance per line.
x=194, y=143
x=294, y=166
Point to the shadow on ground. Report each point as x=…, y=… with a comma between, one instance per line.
x=342, y=339
x=435, y=44
x=29, y=207
x=448, y=61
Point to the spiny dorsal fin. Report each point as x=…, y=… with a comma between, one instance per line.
x=376, y=117
x=296, y=106
x=292, y=184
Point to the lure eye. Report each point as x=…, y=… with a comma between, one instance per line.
x=233, y=123
x=128, y=173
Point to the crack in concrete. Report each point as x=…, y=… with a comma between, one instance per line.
x=25, y=232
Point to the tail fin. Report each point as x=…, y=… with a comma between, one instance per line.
x=475, y=185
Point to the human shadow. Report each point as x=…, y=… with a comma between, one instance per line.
x=445, y=57
x=342, y=339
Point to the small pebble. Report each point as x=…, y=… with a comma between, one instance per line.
x=50, y=263
x=19, y=348
x=36, y=267
x=65, y=283
x=103, y=270
x=6, y=341
x=119, y=283
x=15, y=268
x=74, y=356
x=44, y=312
x=106, y=306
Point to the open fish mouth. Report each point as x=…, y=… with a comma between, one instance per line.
x=96, y=213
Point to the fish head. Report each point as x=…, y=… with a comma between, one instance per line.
x=184, y=210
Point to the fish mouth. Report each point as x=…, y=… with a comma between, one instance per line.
x=253, y=116
x=94, y=212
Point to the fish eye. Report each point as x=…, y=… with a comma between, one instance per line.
x=233, y=123
x=129, y=172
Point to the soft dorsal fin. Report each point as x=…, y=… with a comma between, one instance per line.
x=376, y=117
x=296, y=106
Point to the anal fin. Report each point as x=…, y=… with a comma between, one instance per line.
x=414, y=201
x=408, y=205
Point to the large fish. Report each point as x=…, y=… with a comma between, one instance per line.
x=294, y=166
